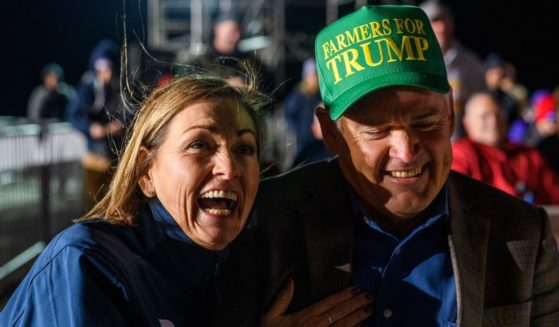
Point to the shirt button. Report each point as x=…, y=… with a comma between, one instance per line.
x=387, y=313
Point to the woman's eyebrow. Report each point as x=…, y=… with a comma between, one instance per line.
x=214, y=129
x=210, y=127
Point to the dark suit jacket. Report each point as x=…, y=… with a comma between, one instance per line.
x=504, y=258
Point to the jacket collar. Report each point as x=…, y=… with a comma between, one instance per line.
x=328, y=228
x=469, y=230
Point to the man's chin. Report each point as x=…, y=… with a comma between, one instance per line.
x=407, y=206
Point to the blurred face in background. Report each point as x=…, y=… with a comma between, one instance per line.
x=50, y=81
x=104, y=75
x=443, y=27
x=547, y=126
x=484, y=121
x=227, y=35
x=494, y=77
x=311, y=82
x=104, y=70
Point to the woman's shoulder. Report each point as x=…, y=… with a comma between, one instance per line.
x=85, y=234
x=95, y=239
x=76, y=261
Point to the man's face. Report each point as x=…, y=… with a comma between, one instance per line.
x=494, y=76
x=104, y=75
x=443, y=27
x=394, y=148
x=50, y=81
x=483, y=120
x=227, y=36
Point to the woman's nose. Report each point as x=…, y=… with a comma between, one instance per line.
x=226, y=165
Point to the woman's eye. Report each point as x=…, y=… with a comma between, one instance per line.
x=199, y=144
x=246, y=149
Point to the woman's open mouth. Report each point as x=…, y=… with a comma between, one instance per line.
x=218, y=203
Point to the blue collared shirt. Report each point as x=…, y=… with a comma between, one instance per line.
x=412, y=279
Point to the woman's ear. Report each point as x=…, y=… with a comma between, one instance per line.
x=143, y=172
x=328, y=128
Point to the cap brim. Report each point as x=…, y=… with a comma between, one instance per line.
x=420, y=80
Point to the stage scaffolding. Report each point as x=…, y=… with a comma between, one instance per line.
x=184, y=27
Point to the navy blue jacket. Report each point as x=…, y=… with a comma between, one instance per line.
x=98, y=274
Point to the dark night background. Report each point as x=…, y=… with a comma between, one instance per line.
x=34, y=32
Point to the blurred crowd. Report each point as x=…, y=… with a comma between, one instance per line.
x=505, y=134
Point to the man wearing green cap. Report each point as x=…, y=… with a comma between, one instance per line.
x=433, y=247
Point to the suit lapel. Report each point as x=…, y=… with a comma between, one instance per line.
x=328, y=227
x=468, y=241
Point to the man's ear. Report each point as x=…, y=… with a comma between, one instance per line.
x=451, y=114
x=143, y=172
x=329, y=129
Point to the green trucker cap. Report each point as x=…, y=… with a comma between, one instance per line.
x=376, y=47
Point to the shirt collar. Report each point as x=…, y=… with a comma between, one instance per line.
x=437, y=209
x=165, y=223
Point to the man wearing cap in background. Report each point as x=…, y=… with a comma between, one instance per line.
x=433, y=247
x=464, y=67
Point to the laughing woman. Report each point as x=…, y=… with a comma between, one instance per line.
x=149, y=252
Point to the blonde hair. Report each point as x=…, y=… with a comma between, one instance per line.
x=122, y=201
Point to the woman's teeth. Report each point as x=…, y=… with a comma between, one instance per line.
x=217, y=212
x=218, y=203
x=220, y=194
x=406, y=173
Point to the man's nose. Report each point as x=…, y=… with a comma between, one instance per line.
x=404, y=146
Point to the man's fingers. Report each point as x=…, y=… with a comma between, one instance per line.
x=281, y=302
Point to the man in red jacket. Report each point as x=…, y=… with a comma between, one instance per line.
x=486, y=155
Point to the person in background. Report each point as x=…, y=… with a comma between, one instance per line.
x=224, y=57
x=510, y=84
x=149, y=252
x=545, y=113
x=299, y=114
x=463, y=66
x=494, y=66
x=98, y=112
x=49, y=99
x=486, y=155
x=387, y=215
x=549, y=145
x=538, y=122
